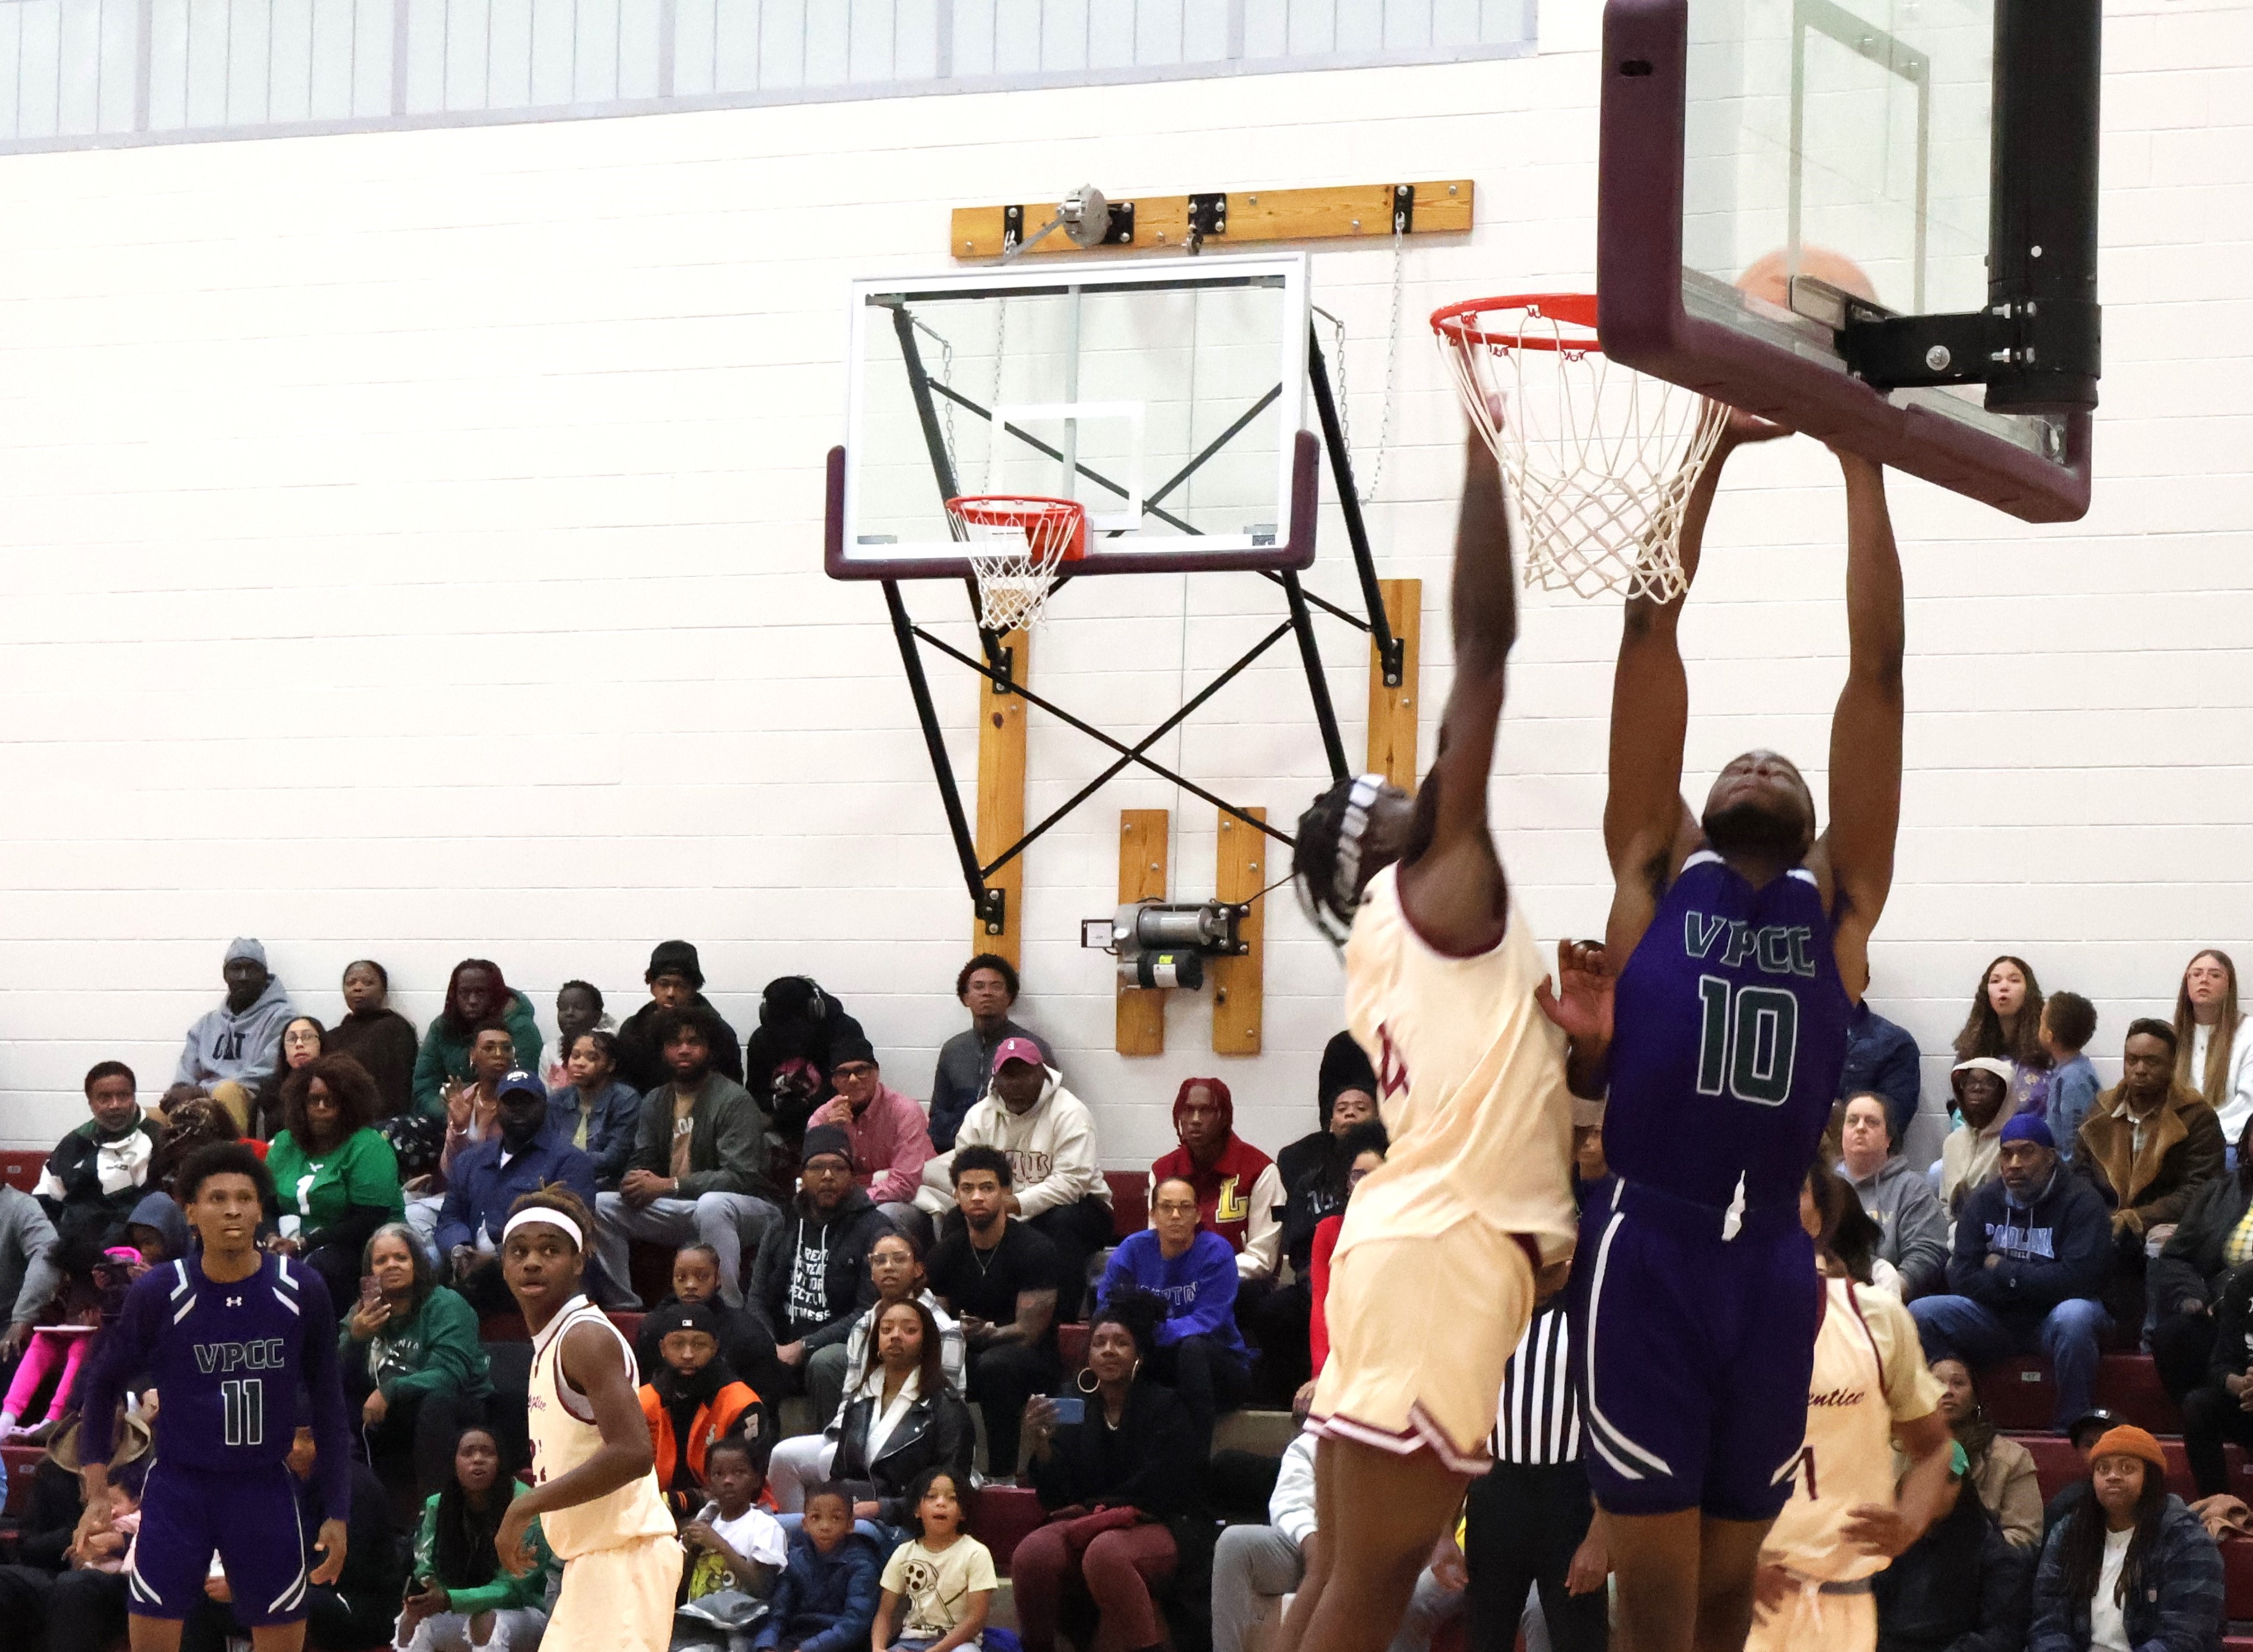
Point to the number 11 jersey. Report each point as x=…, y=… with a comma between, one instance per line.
x=1731, y=1033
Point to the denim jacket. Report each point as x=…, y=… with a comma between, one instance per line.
x=610, y=1128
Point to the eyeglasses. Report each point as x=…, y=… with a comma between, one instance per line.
x=854, y=1069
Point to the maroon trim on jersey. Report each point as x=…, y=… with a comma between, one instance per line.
x=570, y=1397
x=1401, y=899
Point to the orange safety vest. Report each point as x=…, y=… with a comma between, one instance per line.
x=719, y=1418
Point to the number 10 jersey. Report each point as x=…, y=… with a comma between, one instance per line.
x=1732, y=1031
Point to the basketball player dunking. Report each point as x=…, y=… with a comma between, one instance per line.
x=594, y=1476
x=1446, y=1245
x=1742, y=943
x=228, y=1336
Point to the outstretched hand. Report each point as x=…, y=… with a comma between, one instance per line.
x=331, y=1544
x=1740, y=428
x=1580, y=1000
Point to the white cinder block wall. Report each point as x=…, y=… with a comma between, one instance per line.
x=413, y=541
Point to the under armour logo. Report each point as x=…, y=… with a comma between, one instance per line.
x=235, y=1301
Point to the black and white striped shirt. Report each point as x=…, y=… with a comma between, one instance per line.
x=1540, y=1422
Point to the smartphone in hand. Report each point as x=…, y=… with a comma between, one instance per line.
x=1071, y=1411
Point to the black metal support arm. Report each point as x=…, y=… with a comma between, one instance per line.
x=1390, y=649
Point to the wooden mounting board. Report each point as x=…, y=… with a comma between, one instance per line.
x=1239, y=874
x=1002, y=797
x=1392, y=711
x=1161, y=222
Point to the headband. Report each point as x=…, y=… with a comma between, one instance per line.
x=552, y=1218
x=1365, y=791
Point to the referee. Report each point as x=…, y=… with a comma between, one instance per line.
x=1528, y=1521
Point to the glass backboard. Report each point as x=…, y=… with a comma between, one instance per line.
x=1766, y=163
x=1166, y=397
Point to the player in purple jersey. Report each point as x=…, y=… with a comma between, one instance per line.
x=229, y=1335
x=1742, y=943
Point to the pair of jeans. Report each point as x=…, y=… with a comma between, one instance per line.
x=1958, y=1327
x=730, y=1223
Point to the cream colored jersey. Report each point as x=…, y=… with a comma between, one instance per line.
x=1470, y=1076
x=1869, y=1375
x=564, y=1435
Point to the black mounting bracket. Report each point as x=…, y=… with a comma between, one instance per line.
x=2005, y=342
x=993, y=909
x=1208, y=216
x=1013, y=228
x=1404, y=208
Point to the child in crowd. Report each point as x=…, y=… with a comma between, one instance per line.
x=733, y=1549
x=2069, y=1021
x=825, y=1599
x=744, y=1344
x=693, y=1401
x=58, y=1351
x=111, y=1551
x=946, y=1577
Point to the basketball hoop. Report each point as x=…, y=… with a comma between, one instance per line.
x=1600, y=458
x=1015, y=542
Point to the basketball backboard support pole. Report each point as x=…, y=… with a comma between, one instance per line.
x=930, y=396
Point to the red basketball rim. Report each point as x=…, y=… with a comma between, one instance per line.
x=1458, y=323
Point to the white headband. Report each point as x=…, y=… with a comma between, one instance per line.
x=1365, y=791
x=552, y=1218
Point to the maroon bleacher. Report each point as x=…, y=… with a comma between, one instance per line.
x=2019, y=1395
x=22, y=1169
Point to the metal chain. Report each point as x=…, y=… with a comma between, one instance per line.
x=1368, y=488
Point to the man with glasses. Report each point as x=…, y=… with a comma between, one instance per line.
x=812, y=1278
x=889, y=1139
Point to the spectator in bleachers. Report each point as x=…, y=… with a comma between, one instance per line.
x=825, y=1599
x=456, y=1576
x=896, y=1270
x=229, y=1050
x=474, y=1105
x=80, y=1608
x=1982, y=1086
x=812, y=1278
x=597, y=1111
x=2213, y=1240
x=1239, y=1192
x=2006, y=1022
x=693, y=1399
x=999, y=1277
x=2000, y=1470
x=2082, y=1435
x=1346, y=1094
x=1913, y=1228
x=1963, y=1587
x=2212, y=1054
x=1882, y=1060
x=1365, y=1147
x=2148, y=1146
x=578, y=1009
x=2069, y=1021
x=1529, y=1521
x=734, y=1545
x=474, y=991
x=2219, y=1407
x=157, y=1229
x=939, y=1585
x=675, y=979
x=333, y=1173
x=412, y=1362
x=524, y=1153
x=1314, y=1171
x=1057, y=1175
x=902, y=1420
x=377, y=1037
x=889, y=1135
x=2131, y=1567
x=699, y=1164
x=2032, y=1250
x=790, y=1054
x=304, y=1041
x=191, y=1122
x=94, y=1176
x=987, y=987
x=744, y=1342
x=31, y=1271
x=1181, y=1263
x=1136, y=1463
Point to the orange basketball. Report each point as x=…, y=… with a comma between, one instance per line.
x=1770, y=278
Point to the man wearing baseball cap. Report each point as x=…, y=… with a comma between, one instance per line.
x=2033, y=1248
x=518, y=1156
x=811, y=1280
x=1048, y=1135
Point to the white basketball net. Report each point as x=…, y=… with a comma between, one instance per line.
x=1600, y=458
x=1014, y=545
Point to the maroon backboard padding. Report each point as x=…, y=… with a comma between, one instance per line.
x=1293, y=551
x=1643, y=324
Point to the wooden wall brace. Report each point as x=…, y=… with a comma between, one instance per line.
x=1002, y=797
x=1161, y=222
x=1392, y=711
x=1141, y=1027
x=1241, y=856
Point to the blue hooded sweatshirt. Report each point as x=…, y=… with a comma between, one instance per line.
x=825, y=1602
x=1198, y=1287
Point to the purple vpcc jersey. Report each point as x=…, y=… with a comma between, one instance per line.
x=1731, y=1032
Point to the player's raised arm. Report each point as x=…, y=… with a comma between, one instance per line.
x=1451, y=881
x=1866, y=730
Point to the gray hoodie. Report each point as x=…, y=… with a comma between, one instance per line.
x=30, y=1270
x=1901, y=1202
x=163, y=1212
x=223, y=1045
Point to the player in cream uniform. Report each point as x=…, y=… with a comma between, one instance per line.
x=595, y=1486
x=1851, y=1510
x=1446, y=1246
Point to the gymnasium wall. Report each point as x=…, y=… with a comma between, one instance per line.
x=413, y=550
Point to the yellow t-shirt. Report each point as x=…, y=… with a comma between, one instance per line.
x=935, y=1586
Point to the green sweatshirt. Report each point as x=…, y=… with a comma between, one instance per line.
x=360, y=1171
x=445, y=1059
x=436, y=1352
x=504, y=1592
